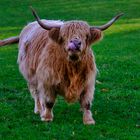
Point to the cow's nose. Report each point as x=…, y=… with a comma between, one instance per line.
x=76, y=44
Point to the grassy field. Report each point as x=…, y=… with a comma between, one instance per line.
x=116, y=107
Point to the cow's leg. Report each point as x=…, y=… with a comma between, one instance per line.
x=86, y=101
x=35, y=95
x=47, y=100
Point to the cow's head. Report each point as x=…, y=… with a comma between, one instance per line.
x=75, y=36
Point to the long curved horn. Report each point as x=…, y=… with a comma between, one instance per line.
x=46, y=27
x=108, y=24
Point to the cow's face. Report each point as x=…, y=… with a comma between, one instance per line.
x=75, y=37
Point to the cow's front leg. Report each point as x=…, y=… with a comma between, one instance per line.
x=47, y=100
x=86, y=102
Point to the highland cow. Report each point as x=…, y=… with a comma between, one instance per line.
x=55, y=58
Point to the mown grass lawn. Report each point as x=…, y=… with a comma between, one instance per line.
x=116, y=107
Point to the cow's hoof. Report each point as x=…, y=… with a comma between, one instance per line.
x=87, y=118
x=46, y=119
x=89, y=122
x=36, y=111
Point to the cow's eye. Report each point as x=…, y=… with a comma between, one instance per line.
x=61, y=40
x=87, y=36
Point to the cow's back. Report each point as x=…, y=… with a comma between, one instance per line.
x=33, y=39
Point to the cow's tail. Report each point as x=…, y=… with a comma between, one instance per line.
x=11, y=40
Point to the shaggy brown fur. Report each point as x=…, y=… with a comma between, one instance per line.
x=55, y=58
x=44, y=61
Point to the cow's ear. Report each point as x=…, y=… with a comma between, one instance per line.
x=95, y=35
x=54, y=34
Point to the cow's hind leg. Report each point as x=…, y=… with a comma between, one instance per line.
x=47, y=100
x=35, y=95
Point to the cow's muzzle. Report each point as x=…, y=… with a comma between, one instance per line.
x=74, y=45
x=74, y=49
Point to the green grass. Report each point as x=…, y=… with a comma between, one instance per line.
x=116, y=107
